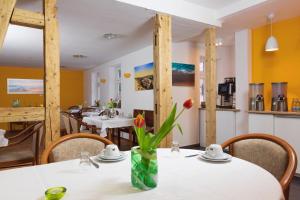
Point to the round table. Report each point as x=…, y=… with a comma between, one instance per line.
x=180, y=178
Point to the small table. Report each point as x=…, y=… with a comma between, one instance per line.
x=109, y=124
x=178, y=178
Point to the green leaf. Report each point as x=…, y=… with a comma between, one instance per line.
x=179, y=128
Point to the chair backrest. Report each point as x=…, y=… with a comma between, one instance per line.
x=75, y=126
x=66, y=120
x=268, y=151
x=70, y=146
x=38, y=140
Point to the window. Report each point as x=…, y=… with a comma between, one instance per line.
x=118, y=86
x=202, y=79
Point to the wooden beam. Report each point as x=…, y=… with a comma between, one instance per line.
x=6, y=10
x=210, y=85
x=27, y=18
x=22, y=114
x=52, y=73
x=162, y=73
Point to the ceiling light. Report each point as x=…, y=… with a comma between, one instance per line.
x=219, y=42
x=79, y=56
x=110, y=36
x=271, y=44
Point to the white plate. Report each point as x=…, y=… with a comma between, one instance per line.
x=102, y=156
x=223, y=157
x=111, y=160
x=202, y=157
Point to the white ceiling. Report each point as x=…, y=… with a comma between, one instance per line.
x=214, y=4
x=82, y=24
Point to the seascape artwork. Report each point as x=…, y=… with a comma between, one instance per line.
x=144, y=77
x=25, y=86
x=183, y=74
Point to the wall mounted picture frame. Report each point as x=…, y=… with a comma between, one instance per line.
x=25, y=86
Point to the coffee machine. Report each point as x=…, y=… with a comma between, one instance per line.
x=256, y=97
x=279, y=97
x=227, y=91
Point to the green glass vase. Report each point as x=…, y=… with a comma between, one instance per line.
x=144, y=169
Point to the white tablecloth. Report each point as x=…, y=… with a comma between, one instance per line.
x=116, y=122
x=179, y=179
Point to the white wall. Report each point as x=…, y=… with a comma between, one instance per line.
x=131, y=99
x=243, y=74
x=225, y=63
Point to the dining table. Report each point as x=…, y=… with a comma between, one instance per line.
x=179, y=178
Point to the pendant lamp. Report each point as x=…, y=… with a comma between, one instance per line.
x=271, y=44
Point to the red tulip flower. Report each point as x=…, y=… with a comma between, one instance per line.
x=139, y=121
x=188, y=104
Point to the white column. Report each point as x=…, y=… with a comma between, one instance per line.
x=243, y=77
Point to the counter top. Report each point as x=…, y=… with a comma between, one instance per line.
x=224, y=109
x=291, y=114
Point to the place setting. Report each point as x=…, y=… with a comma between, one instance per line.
x=214, y=153
x=111, y=154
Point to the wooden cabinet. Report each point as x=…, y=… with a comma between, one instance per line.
x=261, y=123
x=288, y=128
x=226, y=121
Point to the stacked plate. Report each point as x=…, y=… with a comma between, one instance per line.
x=223, y=158
x=116, y=158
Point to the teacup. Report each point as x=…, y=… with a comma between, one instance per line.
x=111, y=150
x=214, y=151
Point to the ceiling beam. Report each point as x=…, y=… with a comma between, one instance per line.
x=162, y=56
x=6, y=10
x=52, y=73
x=210, y=85
x=179, y=8
x=27, y=18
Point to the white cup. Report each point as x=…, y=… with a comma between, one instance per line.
x=111, y=150
x=214, y=151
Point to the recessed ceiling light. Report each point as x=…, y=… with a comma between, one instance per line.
x=111, y=36
x=219, y=42
x=79, y=56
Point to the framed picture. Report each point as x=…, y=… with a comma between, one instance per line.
x=183, y=74
x=144, y=77
x=25, y=86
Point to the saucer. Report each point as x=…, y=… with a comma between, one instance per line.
x=224, y=158
x=102, y=156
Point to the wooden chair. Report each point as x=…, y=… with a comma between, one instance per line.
x=76, y=124
x=269, y=152
x=149, y=119
x=70, y=146
x=66, y=122
x=20, y=151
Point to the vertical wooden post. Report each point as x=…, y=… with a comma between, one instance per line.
x=162, y=73
x=210, y=85
x=52, y=72
x=6, y=10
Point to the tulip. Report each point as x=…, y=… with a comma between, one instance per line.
x=139, y=121
x=188, y=104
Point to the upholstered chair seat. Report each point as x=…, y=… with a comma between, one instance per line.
x=268, y=155
x=267, y=151
x=70, y=147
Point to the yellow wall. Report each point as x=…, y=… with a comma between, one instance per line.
x=71, y=86
x=279, y=66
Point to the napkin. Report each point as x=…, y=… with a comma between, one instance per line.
x=3, y=140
